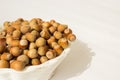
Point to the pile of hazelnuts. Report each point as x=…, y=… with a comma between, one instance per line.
x=25, y=43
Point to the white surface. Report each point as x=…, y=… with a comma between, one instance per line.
x=95, y=22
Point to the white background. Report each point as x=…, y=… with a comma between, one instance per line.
x=96, y=53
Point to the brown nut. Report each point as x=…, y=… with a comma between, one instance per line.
x=25, y=52
x=35, y=33
x=50, y=54
x=45, y=34
x=32, y=53
x=16, y=34
x=9, y=39
x=35, y=61
x=42, y=50
x=52, y=29
x=23, y=44
x=46, y=24
x=71, y=37
x=15, y=51
x=4, y=64
x=55, y=24
x=17, y=65
x=53, y=44
x=51, y=39
x=32, y=46
x=2, y=44
x=6, y=24
x=57, y=34
x=10, y=29
x=23, y=58
x=63, y=42
x=15, y=43
x=30, y=37
x=23, y=37
x=58, y=49
x=25, y=22
x=52, y=21
x=67, y=31
x=6, y=56
x=61, y=27
x=43, y=59
x=34, y=25
x=40, y=42
x=24, y=29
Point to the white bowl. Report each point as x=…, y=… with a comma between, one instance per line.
x=39, y=72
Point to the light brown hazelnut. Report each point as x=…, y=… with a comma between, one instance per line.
x=17, y=65
x=32, y=53
x=55, y=24
x=71, y=37
x=51, y=39
x=63, y=42
x=35, y=33
x=23, y=37
x=25, y=52
x=25, y=22
x=61, y=27
x=16, y=34
x=58, y=49
x=67, y=31
x=15, y=43
x=40, y=42
x=43, y=59
x=9, y=39
x=30, y=37
x=6, y=56
x=42, y=50
x=32, y=46
x=46, y=24
x=52, y=29
x=50, y=54
x=23, y=44
x=4, y=64
x=15, y=51
x=45, y=34
x=35, y=61
x=25, y=28
x=23, y=58
x=10, y=29
x=57, y=34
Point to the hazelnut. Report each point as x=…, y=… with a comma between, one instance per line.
x=51, y=39
x=30, y=37
x=61, y=27
x=9, y=39
x=15, y=51
x=67, y=31
x=40, y=42
x=52, y=29
x=32, y=53
x=24, y=29
x=25, y=22
x=42, y=50
x=71, y=37
x=45, y=34
x=23, y=37
x=6, y=56
x=58, y=49
x=46, y=24
x=63, y=42
x=16, y=34
x=35, y=33
x=50, y=54
x=35, y=61
x=55, y=24
x=23, y=58
x=23, y=43
x=10, y=29
x=43, y=59
x=15, y=43
x=57, y=34
x=17, y=65
x=6, y=24
x=4, y=64
x=25, y=52
x=32, y=46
